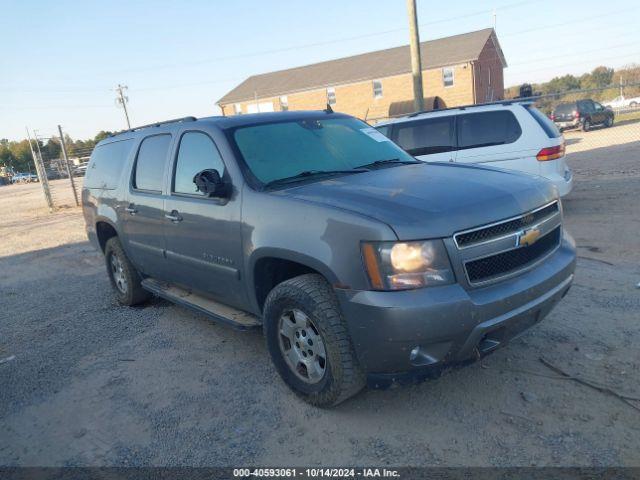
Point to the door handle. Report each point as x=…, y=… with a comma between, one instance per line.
x=174, y=216
x=131, y=210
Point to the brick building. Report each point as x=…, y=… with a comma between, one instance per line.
x=458, y=70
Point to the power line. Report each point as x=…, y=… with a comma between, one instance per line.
x=326, y=42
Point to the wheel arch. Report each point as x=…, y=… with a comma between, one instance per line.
x=270, y=267
x=105, y=229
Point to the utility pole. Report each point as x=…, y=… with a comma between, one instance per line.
x=66, y=162
x=416, y=64
x=122, y=99
x=42, y=174
x=495, y=19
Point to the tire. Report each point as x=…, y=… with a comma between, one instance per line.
x=633, y=104
x=308, y=304
x=586, y=125
x=124, y=278
x=608, y=122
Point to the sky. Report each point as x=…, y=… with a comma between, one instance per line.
x=60, y=61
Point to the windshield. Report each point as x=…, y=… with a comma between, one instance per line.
x=275, y=151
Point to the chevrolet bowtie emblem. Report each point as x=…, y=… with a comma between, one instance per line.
x=527, y=237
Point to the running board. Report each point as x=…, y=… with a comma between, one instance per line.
x=217, y=311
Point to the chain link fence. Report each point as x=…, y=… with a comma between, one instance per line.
x=59, y=169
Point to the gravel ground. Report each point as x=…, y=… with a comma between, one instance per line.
x=86, y=382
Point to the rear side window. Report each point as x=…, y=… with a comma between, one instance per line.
x=106, y=164
x=197, y=152
x=547, y=125
x=425, y=137
x=586, y=106
x=384, y=129
x=486, y=129
x=150, y=162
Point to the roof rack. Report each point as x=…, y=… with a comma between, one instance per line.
x=157, y=124
x=463, y=107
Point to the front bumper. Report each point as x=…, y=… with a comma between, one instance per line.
x=418, y=332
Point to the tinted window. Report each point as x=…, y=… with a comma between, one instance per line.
x=150, y=163
x=384, y=129
x=565, y=108
x=547, y=125
x=106, y=164
x=586, y=106
x=424, y=137
x=197, y=152
x=485, y=129
x=278, y=150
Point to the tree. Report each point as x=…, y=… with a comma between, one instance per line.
x=598, y=78
x=561, y=84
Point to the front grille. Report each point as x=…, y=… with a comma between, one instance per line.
x=505, y=228
x=504, y=263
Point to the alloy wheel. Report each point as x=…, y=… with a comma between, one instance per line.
x=302, y=346
x=119, y=277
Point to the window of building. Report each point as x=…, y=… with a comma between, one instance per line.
x=197, y=152
x=150, y=162
x=489, y=72
x=377, y=89
x=331, y=96
x=486, y=129
x=284, y=103
x=426, y=137
x=237, y=109
x=447, y=77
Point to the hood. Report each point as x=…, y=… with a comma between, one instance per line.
x=431, y=200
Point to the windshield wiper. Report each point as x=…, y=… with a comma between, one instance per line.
x=310, y=174
x=395, y=161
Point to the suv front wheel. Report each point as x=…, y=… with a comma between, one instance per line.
x=309, y=343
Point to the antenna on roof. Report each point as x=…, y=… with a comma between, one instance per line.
x=328, y=109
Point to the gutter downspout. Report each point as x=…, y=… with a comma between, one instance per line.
x=473, y=72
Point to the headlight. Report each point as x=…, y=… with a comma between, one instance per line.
x=406, y=265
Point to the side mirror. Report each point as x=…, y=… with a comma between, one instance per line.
x=211, y=184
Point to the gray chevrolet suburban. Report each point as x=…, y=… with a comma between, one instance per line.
x=359, y=263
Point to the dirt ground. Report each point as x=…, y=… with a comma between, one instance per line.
x=84, y=381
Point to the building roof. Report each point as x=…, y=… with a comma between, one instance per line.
x=367, y=66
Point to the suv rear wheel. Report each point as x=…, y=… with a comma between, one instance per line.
x=309, y=343
x=586, y=125
x=125, y=279
x=608, y=122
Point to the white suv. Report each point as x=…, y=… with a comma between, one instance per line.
x=509, y=135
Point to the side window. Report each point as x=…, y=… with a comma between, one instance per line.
x=384, y=129
x=149, y=169
x=586, y=106
x=425, y=137
x=485, y=129
x=547, y=125
x=197, y=152
x=106, y=164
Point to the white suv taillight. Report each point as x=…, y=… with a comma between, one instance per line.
x=551, y=153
